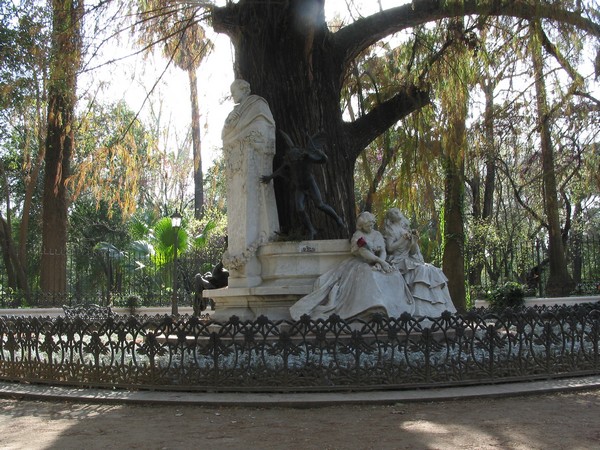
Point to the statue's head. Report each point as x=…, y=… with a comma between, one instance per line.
x=365, y=221
x=240, y=89
x=394, y=215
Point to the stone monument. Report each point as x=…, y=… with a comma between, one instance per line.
x=265, y=277
x=284, y=280
x=249, y=147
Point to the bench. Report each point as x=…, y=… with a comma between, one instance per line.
x=88, y=312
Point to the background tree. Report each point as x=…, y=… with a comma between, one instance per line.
x=116, y=160
x=184, y=42
x=169, y=182
x=559, y=281
x=23, y=76
x=65, y=61
x=455, y=84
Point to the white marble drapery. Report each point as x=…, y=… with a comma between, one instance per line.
x=249, y=147
x=427, y=283
x=359, y=286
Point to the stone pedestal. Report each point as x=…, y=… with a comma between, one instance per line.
x=288, y=272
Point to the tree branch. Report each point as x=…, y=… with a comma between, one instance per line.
x=356, y=37
x=225, y=19
x=503, y=166
x=367, y=128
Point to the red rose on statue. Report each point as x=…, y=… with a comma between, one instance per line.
x=362, y=242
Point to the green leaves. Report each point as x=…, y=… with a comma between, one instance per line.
x=166, y=237
x=200, y=241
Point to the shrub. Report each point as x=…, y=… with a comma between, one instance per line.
x=132, y=302
x=510, y=295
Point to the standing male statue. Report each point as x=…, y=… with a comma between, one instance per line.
x=249, y=147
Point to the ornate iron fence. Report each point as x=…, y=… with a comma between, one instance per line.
x=110, y=276
x=187, y=353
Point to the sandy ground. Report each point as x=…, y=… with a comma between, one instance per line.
x=553, y=421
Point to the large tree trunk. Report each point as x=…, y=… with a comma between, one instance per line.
x=453, y=262
x=303, y=92
x=455, y=108
x=559, y=282
x=289, y=57
x=196, y=146
x=65, y=62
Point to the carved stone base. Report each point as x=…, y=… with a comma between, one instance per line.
x=289, y=270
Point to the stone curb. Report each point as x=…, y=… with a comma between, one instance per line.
x=294, y=400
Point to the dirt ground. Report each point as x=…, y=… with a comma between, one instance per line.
x=553, y=421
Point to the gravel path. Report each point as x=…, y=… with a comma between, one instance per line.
x=552, y=421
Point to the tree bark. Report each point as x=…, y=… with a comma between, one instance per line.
x=490, y=154
x=196, y=146
x=455, y=108
x=559, y=281
x=453, y=260
x=65, y=63
x=16, y=276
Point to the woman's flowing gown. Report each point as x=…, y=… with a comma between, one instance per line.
x=427, y=283
x=356, y=288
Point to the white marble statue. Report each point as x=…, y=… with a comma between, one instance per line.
x=427, y=283
x=248, y=146
x=361, y=285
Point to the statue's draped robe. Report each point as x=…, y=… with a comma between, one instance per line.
x=248, y=146
x=356, y=289
x=427, y=283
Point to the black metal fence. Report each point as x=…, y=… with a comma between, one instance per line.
x=106, y=277
x=187, y=353
x=527, y=264
x=111, y=277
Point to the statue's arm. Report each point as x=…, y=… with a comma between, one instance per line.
x=368, y=255
x=391, y=244
x=392, y=239
x=278, y=173
x=414, y=243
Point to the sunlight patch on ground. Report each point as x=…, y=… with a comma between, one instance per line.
x=425, y=426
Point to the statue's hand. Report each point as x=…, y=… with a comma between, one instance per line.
x=384, y=266
x=266, y=179
x=232, y=117
x=387, y=267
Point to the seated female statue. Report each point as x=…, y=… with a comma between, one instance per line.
x=427, y=283
x=361, y=285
